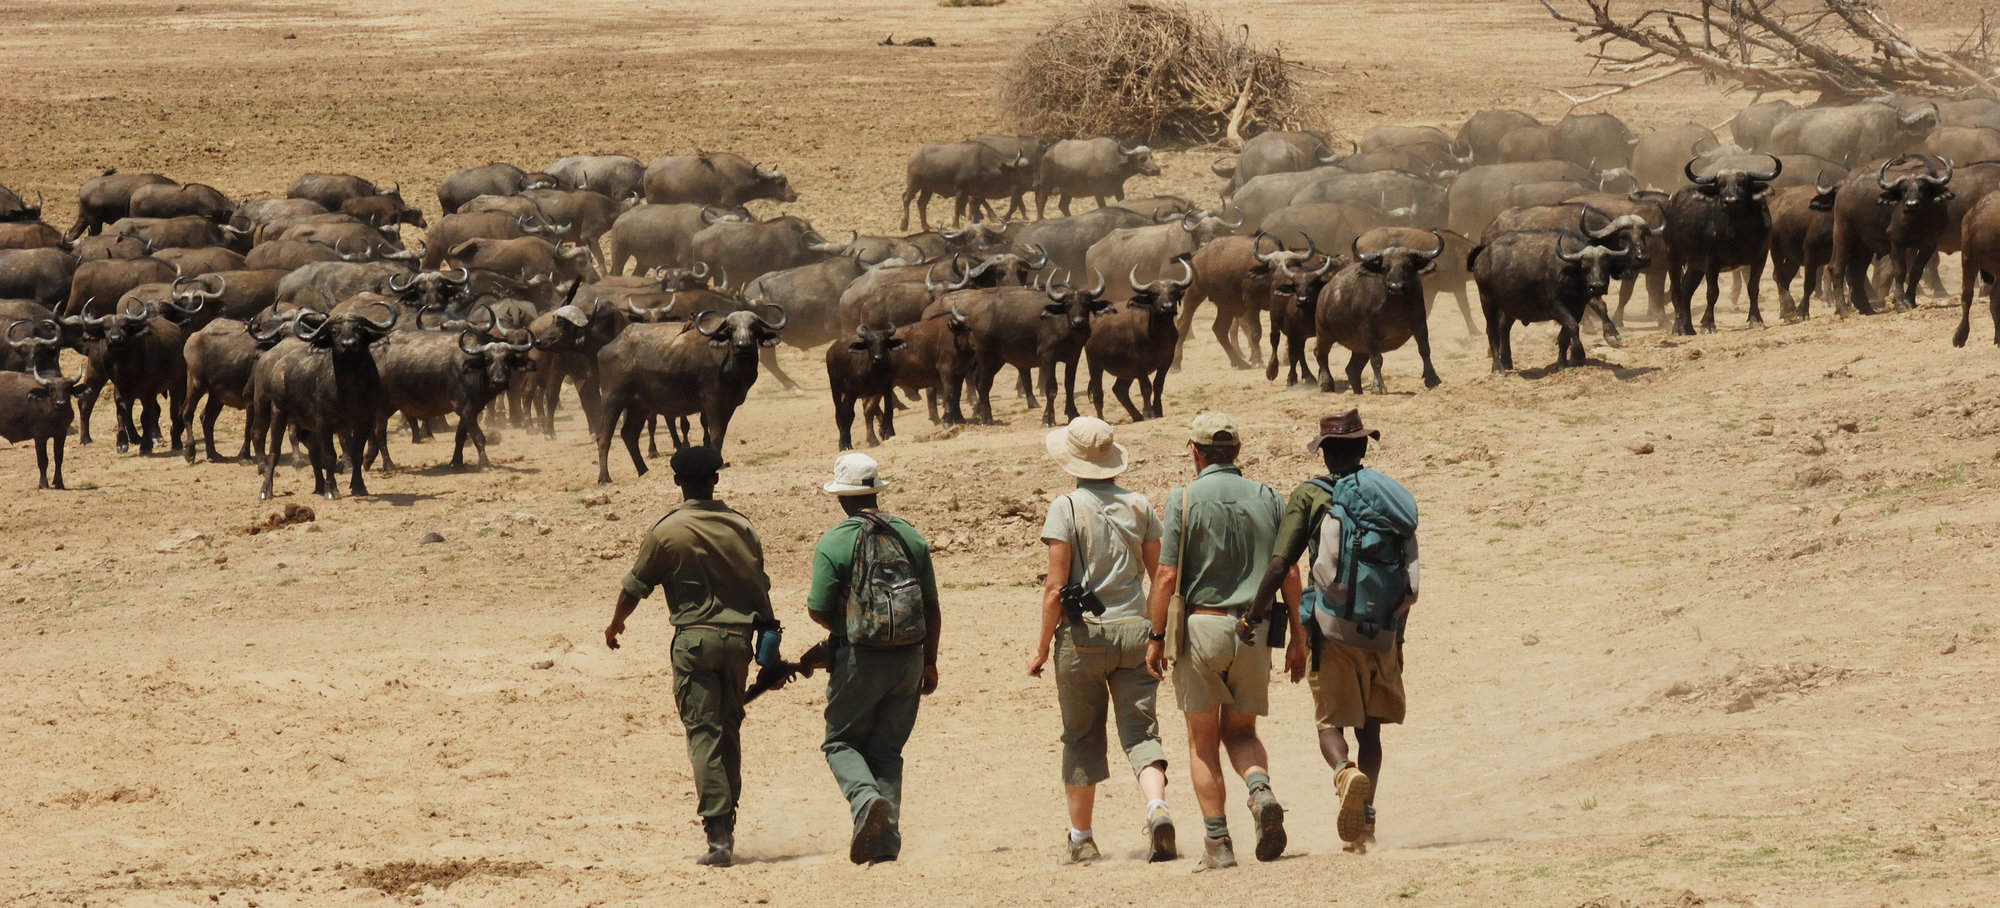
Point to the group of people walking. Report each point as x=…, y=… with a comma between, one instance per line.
x=1206, y=589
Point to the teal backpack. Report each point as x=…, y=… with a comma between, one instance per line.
x=1359, y=574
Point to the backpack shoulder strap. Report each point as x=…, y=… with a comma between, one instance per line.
x=879, y=522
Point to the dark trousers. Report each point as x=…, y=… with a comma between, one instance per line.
x=871, y=707
x=711, y=669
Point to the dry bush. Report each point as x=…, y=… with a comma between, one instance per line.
x=1148, y=71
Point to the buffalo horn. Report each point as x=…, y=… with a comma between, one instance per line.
x=1688, y=170
x=702, y=316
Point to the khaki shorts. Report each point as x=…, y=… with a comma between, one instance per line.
x=1354, y=685
x=1220, y=670
x=1101, y=674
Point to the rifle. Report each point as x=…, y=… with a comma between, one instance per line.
x=778, y=674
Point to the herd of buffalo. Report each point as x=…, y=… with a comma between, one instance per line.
x=311, y=313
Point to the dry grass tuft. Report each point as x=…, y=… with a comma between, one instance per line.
x=957, y=3
x=410, y=877
x=1148, y=70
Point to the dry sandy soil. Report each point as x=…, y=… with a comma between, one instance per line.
x=1709, y=621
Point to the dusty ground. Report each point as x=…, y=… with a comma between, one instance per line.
x=1756, y=664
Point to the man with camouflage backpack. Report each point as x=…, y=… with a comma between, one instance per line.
x=873, y=589
x=1361, y=530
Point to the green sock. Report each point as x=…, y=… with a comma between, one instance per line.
x=1258, y=779
x=1215, y=827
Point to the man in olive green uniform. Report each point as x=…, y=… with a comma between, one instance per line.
x=711, y=566
x=1219, y=531
x=871, y=691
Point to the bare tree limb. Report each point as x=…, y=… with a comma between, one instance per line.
x=1841, y=48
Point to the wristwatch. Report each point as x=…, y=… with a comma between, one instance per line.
x=1153, y=636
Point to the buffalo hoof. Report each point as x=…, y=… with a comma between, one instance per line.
x=124, y=447
x=1432, y=381
x=1329, y=386
x=58, y=486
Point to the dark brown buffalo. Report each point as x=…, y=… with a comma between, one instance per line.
x=427, y=375
x=739, y=252
x=30, y=235
x=186, y=232
x=1542, y=275
x=107, y=280
x=36, y=405
x=524, y=258
x=1136, y=342
x=493, y=179
x=968, y=172
x=671, y=371
x=1026, y=328
x=289, y=255
x=205, y=260
x=1718, y=224
x=1089, y=167
x=1482, y=133
x=1902, y=218
x=1376, y=304
x=712, y=178
x=13, y=209
x=168, y=200
x=1272, y=152
x=858, y=369
x=1801, y=237
x=323, y=381
x=1979, y=246
x=106, y=198
x=936, y=358
x=453, y=229
x=383, y=211
x=332, y=190
x=42, y=275
x=220, y=359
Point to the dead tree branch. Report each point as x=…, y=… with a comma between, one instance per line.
x=1838, y=48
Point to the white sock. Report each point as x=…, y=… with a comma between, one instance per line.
x=1155, y=803
x=1078, y=836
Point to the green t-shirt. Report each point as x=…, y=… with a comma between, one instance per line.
x=1232, y=522
x=833, y=563
x=710, y=563
x=1301, y=523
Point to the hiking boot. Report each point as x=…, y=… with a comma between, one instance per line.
x=1354, y=788
x=1270, y=820
x=1160, y=836
x=1217, y=854
x=721, y=842
x=1360, y=845
x=869, y=824
x=1082, y=852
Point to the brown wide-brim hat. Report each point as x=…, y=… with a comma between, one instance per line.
x=1341, y=425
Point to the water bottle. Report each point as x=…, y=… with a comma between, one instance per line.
x=768, y=639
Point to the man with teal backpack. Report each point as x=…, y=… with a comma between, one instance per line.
x=1360, y=528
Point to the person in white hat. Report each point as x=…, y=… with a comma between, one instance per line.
x=1104, y=541
x=873, y=588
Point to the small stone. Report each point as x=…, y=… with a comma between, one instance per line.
x=222, y=558
x=1741, y=704
x=1644, y=447
x=1530, y=639
x=1848, y=426
x=1951, y=648
x=544, y=665
x=1762, y=431
x=431, y=537
x=608, y=515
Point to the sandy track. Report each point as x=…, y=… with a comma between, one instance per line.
x=1754, y=666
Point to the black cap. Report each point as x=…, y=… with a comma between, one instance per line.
x=696, y=461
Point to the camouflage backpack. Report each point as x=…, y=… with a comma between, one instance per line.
x=885, y=600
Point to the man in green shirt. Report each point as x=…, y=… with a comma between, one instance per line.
x=871, y=691
x=1357, y=673
x=1219, y=530
x=710, y=564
